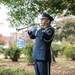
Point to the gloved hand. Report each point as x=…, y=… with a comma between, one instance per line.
x=29, y=32
x=31, y=29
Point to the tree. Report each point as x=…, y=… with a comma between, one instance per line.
x=66, y=29
x=23, y=12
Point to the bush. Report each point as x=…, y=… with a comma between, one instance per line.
x=55, y=49
x=13, y=53
x=69, y=51
x=28, y=53
x=2, y=43
x=1, y=61
x=63, y=46
x=14, y=71
x=1, y=51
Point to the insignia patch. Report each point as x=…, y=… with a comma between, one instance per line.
x=49, y=32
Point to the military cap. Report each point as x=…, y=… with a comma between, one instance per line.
x=45, y=15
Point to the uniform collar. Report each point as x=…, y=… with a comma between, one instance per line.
x=47, y=26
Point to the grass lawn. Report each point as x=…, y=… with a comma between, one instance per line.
x=64, y=61
x=62, y=67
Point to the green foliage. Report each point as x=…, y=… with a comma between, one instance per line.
x=56, y=49
x=69, y=51
x=0, y=60
x=1, y=51
x=13, y=71
x=63, y=46
x=28, y=53
x=23, y=12
x=70, y=31
x=2, y=43
x=13, y=52
x=66, y=30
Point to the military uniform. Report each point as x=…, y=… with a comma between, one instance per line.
x=41, y=51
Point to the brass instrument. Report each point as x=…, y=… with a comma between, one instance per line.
x=28, y=26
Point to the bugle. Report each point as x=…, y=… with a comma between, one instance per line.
x=28, y=26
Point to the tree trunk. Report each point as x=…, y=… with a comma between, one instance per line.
x=14, y=59
x=52, y=56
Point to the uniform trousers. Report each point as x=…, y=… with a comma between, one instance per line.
x=42, y=67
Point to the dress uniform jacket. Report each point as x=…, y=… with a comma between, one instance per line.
x=43, y=39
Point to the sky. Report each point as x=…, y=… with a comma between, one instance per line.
x=4, y=24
